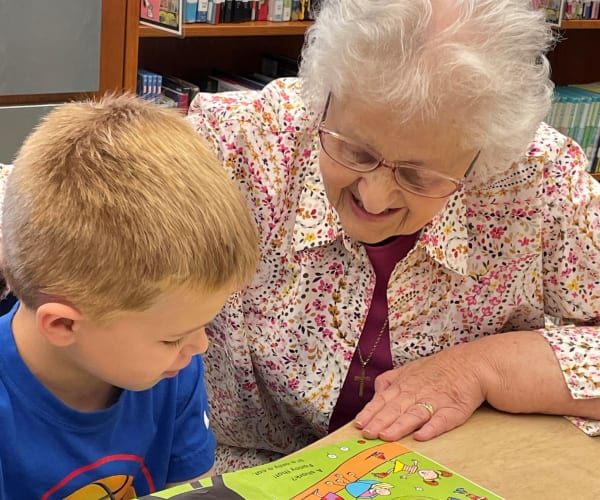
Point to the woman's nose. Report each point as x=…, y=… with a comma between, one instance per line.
x=378, y=190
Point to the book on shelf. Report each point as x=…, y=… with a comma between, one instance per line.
x=275, y=10
x=181, y=86
x=202, y=11
x=557, y=10
x=287, y=10
x=179, y=97
x=575, y=112
x=593, y=133
x=311, y=7
x=236, y=11
x=278, y=66
x=149, y=85
x=191, y=8
x=553, y=10
x=582, y=9
x=259, y=77
x=227, y=82
x=213, y=15
x=166, y=16
x=227, y=11
x=591, y=87
x=263, y=10
x=351, y=469
x=297, y=11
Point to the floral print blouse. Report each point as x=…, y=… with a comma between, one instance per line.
x=500, y=257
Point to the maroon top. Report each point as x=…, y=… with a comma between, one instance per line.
x=383, y=259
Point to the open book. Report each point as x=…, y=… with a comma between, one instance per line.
x=357, y=468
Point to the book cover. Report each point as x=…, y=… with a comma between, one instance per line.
x=181, y=86
x=278, y=66
x=592, y=128
x=356, y=468
x=263, y=10
x=296, y=11
x=275, y=10
x=286, y=14
x=163, y=14
x=227, y=83
x=254, y=10
x=227, y=11
x=592, y=87
x=238, y=13
x=191, y=7
x=202, y=11
x=248, y=81
x=553, y=10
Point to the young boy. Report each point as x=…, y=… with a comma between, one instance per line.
x=122, y=238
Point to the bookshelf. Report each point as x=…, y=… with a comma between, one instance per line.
x=580, y=24
x=576, y=58
x=254, y=28
x=202, y=48
x=236, y=47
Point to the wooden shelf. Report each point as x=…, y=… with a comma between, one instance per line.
x=253, y=28
x=596, y=175
x=580, y=24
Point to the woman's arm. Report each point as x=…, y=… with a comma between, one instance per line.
x=515, y=372
x=523, y=375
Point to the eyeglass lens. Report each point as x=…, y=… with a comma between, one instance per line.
x=413, y=179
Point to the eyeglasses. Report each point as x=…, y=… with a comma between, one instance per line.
x=361, y=158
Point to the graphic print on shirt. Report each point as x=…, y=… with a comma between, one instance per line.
x=110, y=477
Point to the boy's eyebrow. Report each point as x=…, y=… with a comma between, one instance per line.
x=187, y=332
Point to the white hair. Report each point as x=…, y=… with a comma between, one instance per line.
x=481, y=60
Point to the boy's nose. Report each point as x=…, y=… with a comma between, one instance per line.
x=198, y=343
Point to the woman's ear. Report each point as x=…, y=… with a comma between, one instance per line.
x=56, y=322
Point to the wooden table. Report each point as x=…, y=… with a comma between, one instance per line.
x=520, y=457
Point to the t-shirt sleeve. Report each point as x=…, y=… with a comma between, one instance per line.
x=193, y=450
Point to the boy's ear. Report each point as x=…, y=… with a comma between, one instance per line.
x=56, y=322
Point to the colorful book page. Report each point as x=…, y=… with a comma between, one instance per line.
x=348, y=470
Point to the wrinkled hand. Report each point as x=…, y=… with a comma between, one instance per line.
x=450, y=381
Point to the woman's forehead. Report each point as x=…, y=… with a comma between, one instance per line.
x=394, y=137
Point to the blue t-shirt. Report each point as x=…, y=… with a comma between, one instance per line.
x=145, y=440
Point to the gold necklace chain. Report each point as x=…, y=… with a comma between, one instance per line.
x=364, y=362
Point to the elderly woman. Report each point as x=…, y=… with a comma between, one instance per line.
x=419, y=224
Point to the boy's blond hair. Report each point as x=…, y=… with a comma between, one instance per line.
x=113, y=202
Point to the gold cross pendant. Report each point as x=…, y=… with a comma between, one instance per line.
x=361, y=379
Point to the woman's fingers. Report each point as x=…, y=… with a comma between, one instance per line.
x=427, y=428
x=428, y=396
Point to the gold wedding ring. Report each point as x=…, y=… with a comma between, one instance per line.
x=427, y=406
